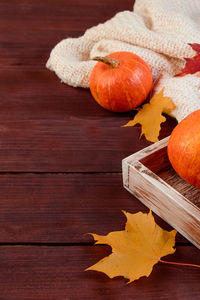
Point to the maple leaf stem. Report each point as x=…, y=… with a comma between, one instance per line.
x=179, y=264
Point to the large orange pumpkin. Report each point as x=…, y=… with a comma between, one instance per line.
x=184, y=148
x=120, y=81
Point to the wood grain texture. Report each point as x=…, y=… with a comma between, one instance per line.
x=55, y=273
x=46, y=126
x=51, y=127
x=61, y=14
x=187, y=190
x=61, y=208
x=29, y=29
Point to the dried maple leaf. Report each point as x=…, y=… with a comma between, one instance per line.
x=192, y=65
x=150, y=116
x=136, y=249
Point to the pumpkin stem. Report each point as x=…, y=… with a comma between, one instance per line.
x=112, y=62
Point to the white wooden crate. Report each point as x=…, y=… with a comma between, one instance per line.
x=149, y=176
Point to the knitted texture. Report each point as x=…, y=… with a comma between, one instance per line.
x=157, y=30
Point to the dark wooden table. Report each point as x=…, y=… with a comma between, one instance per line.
x=60, y=168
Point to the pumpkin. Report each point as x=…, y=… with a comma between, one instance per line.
x=120, y=81
x=184, y=148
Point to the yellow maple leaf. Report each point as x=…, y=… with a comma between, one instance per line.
x=136, y=249
x=150, y=116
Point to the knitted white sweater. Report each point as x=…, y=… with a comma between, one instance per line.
x=158, y=31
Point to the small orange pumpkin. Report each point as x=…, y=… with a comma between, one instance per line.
x=120, y=81
x=184, y=148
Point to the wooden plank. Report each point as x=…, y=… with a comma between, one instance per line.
x=38, y=26
x=26, y=42
x=60, y=14
x=29, y=49
x=51, y=127
x=63, y=208
x=62, y=146
x=56, y=273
